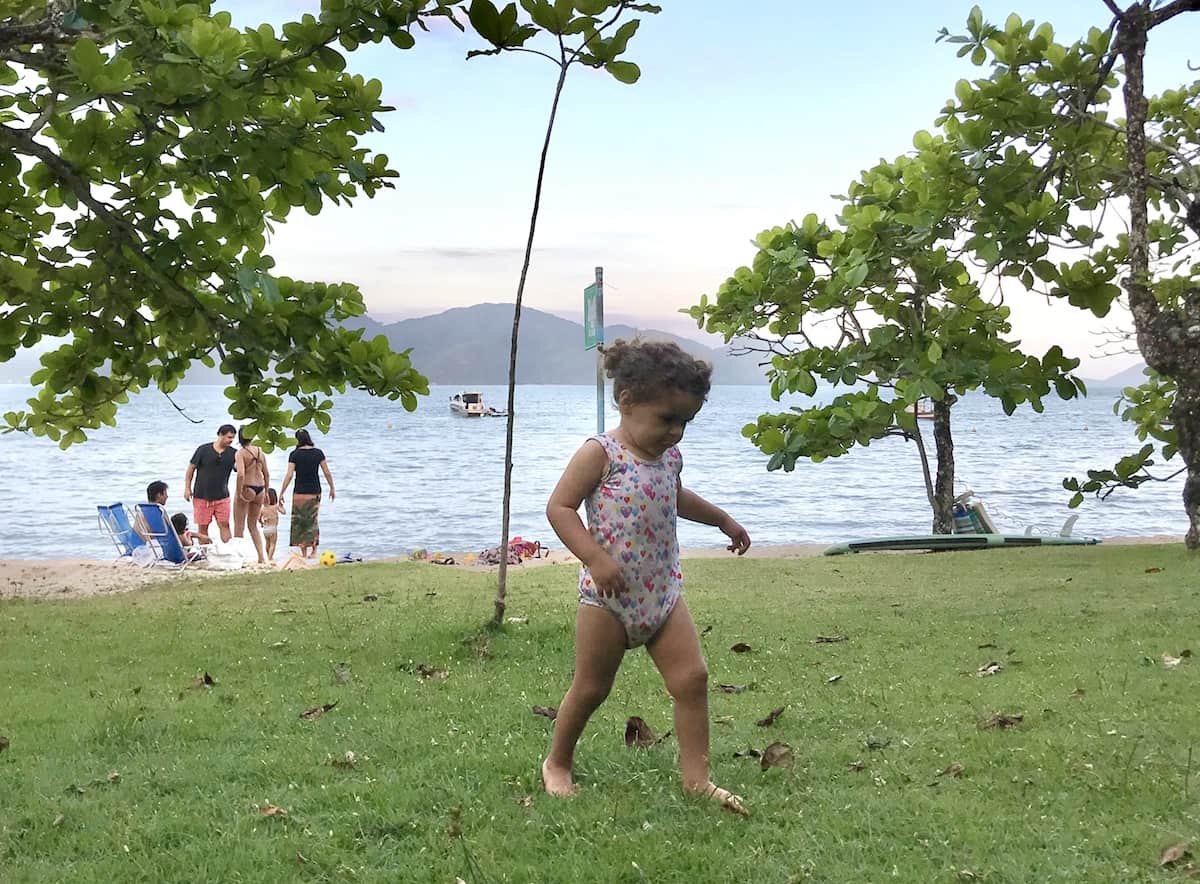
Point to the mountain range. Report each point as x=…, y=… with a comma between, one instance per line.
x=469, y=346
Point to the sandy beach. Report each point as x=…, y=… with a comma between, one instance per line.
x=80, y=578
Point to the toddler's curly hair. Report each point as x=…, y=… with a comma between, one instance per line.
x=649, y=369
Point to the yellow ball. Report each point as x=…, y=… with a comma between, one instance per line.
x=329, y=558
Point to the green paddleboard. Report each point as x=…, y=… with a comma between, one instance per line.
x=955, y=541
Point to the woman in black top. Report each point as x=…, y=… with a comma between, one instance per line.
x=303, y=465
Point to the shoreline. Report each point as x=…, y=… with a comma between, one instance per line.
x=89, y=578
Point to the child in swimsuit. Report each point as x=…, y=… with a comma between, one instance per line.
x=630, y=584
x=269, y=519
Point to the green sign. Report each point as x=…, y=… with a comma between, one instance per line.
x=593, y=313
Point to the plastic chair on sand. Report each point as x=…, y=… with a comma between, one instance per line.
x=161, y=535
x=114, y=522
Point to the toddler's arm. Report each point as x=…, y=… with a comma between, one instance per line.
x=579, y=479
x=695, y=508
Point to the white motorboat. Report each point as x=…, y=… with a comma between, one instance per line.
x=468, y=403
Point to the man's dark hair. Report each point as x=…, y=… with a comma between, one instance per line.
x=154, y=489
x=225, y=428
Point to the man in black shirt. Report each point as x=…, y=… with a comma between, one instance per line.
x=211, y=465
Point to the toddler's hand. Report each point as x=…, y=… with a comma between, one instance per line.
x=606, y=574
x=737, y=534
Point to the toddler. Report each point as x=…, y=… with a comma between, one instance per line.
x=630, y=586
x=269, y=519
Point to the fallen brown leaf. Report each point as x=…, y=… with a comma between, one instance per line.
x=731, y=688
x=58, y=820
x=454, y=827
x=741, y=648
x=967, y=875
x=201, y=681
x=550, y=712
x=426, y=671
x=272, y=810
x=1001, y=720
x=1153, y=570
x=771, y=717
x=992, y=668
x=517, y=620
x=638, y=734
x=1078, y=692
x=4, y=743
x=301, y=859
x=113, y=777
x=954, y=769
x=828, y=639
x=986, y=645
x=370, y=597
x=317, y=711
x=1175, y=853
x=341, y=673
x=723, y=719
x=284, y=611
x=1171, y=662
x=776, y=755
x=857, y=766
x=525, y=801
x=832, y=679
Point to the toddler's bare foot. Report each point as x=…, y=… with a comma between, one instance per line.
x=729, y=801
x=557, y=780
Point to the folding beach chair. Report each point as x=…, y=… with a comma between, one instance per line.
x=161, y=536
x=115, y=523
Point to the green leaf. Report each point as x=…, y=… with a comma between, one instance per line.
x=934, y=352
x=485, y=19
x=624, y=71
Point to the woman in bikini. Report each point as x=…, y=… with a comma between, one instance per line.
x=253, y=477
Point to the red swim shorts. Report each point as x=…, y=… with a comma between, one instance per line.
x=205, y=511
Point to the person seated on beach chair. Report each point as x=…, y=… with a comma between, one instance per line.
x=156, y=492
x=190, y=539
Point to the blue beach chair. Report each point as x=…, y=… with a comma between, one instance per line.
x=161, y=535
x=114, y=522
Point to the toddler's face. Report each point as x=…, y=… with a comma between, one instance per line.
x=656, y=424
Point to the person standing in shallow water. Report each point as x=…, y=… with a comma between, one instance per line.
x=253, y=479
x=305, y=464
x=211, y=465
x=630, y=586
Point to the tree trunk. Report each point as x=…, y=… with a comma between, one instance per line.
x=943, y=492
x=1169, y=339
x=1185, y=414
x=920, y=440
x=502, y=577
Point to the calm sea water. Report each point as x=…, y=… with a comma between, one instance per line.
x=432, y=480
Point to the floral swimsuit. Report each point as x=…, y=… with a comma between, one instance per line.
x=631, y=514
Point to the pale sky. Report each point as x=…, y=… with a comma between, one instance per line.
x=741, y=121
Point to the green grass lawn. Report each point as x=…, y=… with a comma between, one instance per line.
x=118, y=770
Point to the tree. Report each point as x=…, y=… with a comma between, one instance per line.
x=909, y=321
x=146, y=150
x=600, y=43
x=1054, y=175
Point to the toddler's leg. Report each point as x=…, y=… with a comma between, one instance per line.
x=599, y=647
x=675, y=650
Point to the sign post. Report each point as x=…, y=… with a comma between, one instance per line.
x=593, y=336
